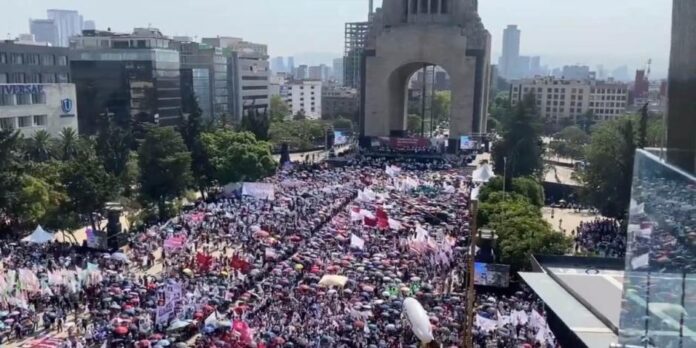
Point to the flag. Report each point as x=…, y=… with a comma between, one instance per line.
x=394, y=224
x=640, y=261
x=381, y=214
x=485, y=324
x=238, y=263
x=371, y=222
x=203, y=261
x=357, y=242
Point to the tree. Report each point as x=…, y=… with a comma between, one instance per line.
x=414, y=124
x=165, y=167
x=300, y=115
x=442, y=101
x=586, y=121
x=256, y=123
x=279, y=109
x=298, y=135
x=191, y=130
x=10, y=169
x=40, y=146
x=32, y=201
x=521, y=142
x=88, y=186
x=607, y=175
x=526, y=187
x=113, y=145
x=238, y=156
x=68, y=144
x=570, y=142
x=343, y=124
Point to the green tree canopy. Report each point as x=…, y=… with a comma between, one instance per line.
x=526, y=187
x=40, y=146
x=570, y=142
x=279, y=109
x=256, y=123
x=165, y=167
x=343, y=124
x=414, y=124
x=607, y=175
x=298, y=134
x=191, y=129
x=88, y=186
x=32, y=201
x=238, y=156
x=442, y=101
x=521, y=142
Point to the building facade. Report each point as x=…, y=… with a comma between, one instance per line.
x=44, y=30
x=355, y=41
x=33, y=107
x=20, y=63
x=68, y=24
x=201, y=62
x=301, y=73
x=305, y=97
x=315, y=73
x=576, y=72
x=338, y=71
x=339, y=101
x=558, y=99
x=132, y=76
x=508, y=64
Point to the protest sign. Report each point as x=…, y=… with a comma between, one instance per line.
x=259, y=190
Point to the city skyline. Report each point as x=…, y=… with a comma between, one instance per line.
x=591, y=38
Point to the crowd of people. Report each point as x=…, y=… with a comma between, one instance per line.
x=602, y=237
x=327, y=261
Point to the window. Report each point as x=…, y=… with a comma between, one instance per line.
x=32, y=59
x=48, y=59
x=34, y=78
x=17, y=78
x=24, y=99
x=3, y=78
x=444, y=7
x=7, y=123
x=3, y=58
x=433, y=6
x=38, y=98
x=17, y=58
x=24, y=121
x=48, y=78
x=7, y=99
x=40, y=120
x=414, y=6
x=62, y=60
x=423, y=6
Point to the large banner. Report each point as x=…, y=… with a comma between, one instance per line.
x=164, y=313
x=259, y=190
x=340, y=138
x=466, y=143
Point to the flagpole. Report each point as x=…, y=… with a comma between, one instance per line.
x=468, y=335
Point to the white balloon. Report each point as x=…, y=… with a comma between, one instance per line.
x=418, y=317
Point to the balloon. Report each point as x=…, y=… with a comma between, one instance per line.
x=418, y=317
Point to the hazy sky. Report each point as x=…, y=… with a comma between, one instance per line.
x=609, y=32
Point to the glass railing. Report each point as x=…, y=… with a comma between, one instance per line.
x=659, y=289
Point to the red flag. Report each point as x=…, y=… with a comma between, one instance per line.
x=238, y=263
x=369, y=222
x=381, y=214
x=203, y=261
x=382, y=224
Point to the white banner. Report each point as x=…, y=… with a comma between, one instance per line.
x=164, y=313
x=259, y=190
x=172, y=292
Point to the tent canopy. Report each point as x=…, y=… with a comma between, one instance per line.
x=39, y=236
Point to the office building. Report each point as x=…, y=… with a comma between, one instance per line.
x=278, y=65
x=535, y=67
x=291, y=65
x=620, y=73
x=30, y=107
x=248, y=74
x=277, y=85
x=339, y=102
x=355, y=40
x=133, y=76
x=325, y=72
x=203, y=73
x=314, y=73
x=301, y=72
x=338, y=71
x=68, y=23
x=305, y=97
x=508, y=64
x=576, y=72
x=29, y=63
x=442, y=82
x=558, y=99
x=44, y=30
x=523, y=67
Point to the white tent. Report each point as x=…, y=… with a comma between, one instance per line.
x=39, y=236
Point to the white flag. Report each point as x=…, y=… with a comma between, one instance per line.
x=356, y=242
x=640, y=261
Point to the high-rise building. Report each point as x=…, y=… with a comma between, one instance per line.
x=557, y=99
x=278, y=65
x=44, y=30
x=511, y=52
x=620, y=73
x=301, y=72
x=355, y=39
x=535, y=66
x=523, y=66
x=35, y=89
x=338, y=70
x=576, y=72
x=68, y=24
x=325, y=72
x=134, y=76
x=203, y=74
x=291, y=65
x=314, y=73
x=339, y=101
x=641, y=85
x=305, y=97
x=601, y=72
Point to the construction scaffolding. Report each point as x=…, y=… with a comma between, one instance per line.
x=355, y=40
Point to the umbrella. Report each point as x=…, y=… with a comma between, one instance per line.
x=187, y=272
x=178, y=325
x=121, y=330
x=120, y=257
x=164, y=343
